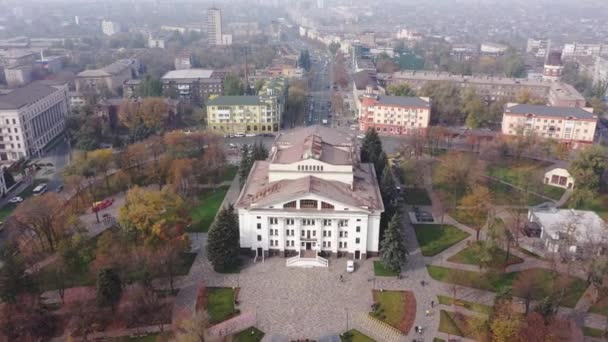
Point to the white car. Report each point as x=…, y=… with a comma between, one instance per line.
x=15, y=200
x=350, y=266
x=239, y=135
x=250, y=135
x=361, y=136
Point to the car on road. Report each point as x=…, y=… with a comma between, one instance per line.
x=15, y=200
x=97, y=206
x=59, y=188
x=239, y=135
x=350, y=266
x=250, y=135
x=40, y=189
x=360, y=136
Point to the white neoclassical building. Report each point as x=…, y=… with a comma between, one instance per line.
x=311, y=198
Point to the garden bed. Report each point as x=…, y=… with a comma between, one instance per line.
x=251, y=334
x=395, y=308
x=497, y=282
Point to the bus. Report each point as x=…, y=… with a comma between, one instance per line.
x=39, y=190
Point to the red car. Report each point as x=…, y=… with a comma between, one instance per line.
x=97, y=206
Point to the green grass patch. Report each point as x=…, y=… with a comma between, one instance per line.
x=593, y=332
x=503, y=194
x=381, y=271
x=495, y=282
x=552, y=191
x=391, y=307
x=251, y=334
x=434, y=238
x=6, y=211
x=355, y=335
x=600, y=307
x=599, y=204
x=220, y=304
x=204, y=213
x=481, y=308
x=472, y=256
x=438, y=340
x=416, y=196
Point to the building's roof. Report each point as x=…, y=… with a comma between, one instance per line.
x=322, y=143
x=132, y=82
x=239, y=100
x=475, y=79
x=258, y=192
x=541, y=110
x=365, y=78
x=404, y=101
x=188, y=73
x=109, y=70
x=586, y=225
x=24, y=96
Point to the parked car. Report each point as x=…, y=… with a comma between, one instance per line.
x=97, y=206
x=250, y=135
x=239, y=135
x=15, y=200
x=350, y=266
x=59, y=188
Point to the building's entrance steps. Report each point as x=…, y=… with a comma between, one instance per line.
x=298, y=261
x=375, y=329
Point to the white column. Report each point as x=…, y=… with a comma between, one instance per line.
x=319, y=229
x=334, y=236
x=298, y=234
x=281, y=236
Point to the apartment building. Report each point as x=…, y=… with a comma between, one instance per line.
x=195, y=85
x=395, y=115
x=112, y=76
x=575, y=126
x=249, y=114
x=110, y=28
x=214, y=26
x=30, y=118
x=493, y=88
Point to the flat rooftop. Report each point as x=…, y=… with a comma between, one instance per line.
x=540, y=110
x=188, y=73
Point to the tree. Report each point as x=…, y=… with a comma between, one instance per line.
x=168, y=257
x=102, y=161
x=109, y=288
x=233, y=85
x=193, y=329
x=394, y=253
x=223, y=241
x=44, y=217
x=304, y=60
x=458, y=173
x=259, y=151
x=150, y=87
x=587, y=169
x=75, y=253
x=144, y=117
x=259, y=84
x=14, y=281
x=534, y=328
x=402, y=89
x=505, y=323
x=182, y=176
x=334, y=47
x=474, y=109
x=526, y=286
x=477, y=207
x=153, y=215
x=526, y=97
x=446, y=105
x=371, y=147
x=27, y=320
x=386, y=65
x=245, y=164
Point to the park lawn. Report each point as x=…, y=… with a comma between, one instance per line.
x=477, y=307
x=220, y=304
x=455, y=324
x=593, y=332
x=599, y=204
x=552, y=191
x=229, y=173
x=434, y=238
x=381, y=271
x=416, y=196
x=392, y=308
x=460, y=215
x=251, y=334
x=471, y=256
x=355, y=335
x=491, y=281
x=503, y=194
x=438, y=340
x=204, y=213
x=600, y=307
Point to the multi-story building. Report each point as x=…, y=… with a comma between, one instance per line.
x=492, y=49
x=574, y=50
x=13, y=58
x=311, y=198
x=396, y=115
x=195, y=85
x=249, y=114
x=538, y=47
x=183, y=61
x=214, y=26
x=18, y=75
x=111, y=77
x=575, y=126
x=30, y=118
x=553, y=68
x=493, y=88
x=600, y=71
x=110, y=28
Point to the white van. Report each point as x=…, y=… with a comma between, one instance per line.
x=40, y=189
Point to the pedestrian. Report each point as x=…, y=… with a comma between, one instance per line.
x=432, y=304
x=416, y=328
x=427, y=313
x=420, y=330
